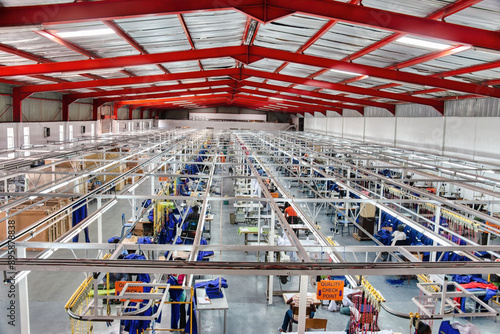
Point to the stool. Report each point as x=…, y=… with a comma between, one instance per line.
x=125, y=226
x=344, y=223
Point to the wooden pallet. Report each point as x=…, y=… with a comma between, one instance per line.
x=357, y=237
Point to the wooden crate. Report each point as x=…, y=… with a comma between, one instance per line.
x=25, y=219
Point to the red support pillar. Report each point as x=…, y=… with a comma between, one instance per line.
x=16, y=105
x=142, y=112
x=17, y=99
x=130, y=111
x=65, y=108
x=115, y=111
x=95, y=109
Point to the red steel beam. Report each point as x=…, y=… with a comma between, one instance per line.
x=30, y=56
x=179, y=104
x=303, y=106
x=263, y=10
x=351, y=89
x=373, y=71
x=254, y=52
x=290, y=99
x=155, y=89
x=447, y=10
x=414, y=61
x=392, y=21
x=464, y=70
x=16, y=105
x=130, y=81
x=452, y=8
x=55, y=38
x=188, y=36
x=302, y=92
x=95, y=109
x=273, y=105
x=174, y=99
x=118, y=62
x=143, y=97
x=130, y=112
x=120, y=32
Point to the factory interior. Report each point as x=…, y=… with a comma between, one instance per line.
x=249, y=166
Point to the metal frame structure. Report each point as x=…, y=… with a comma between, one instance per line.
x=304, y=159
x=247, y=59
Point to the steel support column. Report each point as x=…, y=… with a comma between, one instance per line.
x=24, y=306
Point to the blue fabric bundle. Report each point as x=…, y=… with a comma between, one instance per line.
x=144, y=240
x=461, y=279
x=203, y=254
x=213, y=283
x=213, y=292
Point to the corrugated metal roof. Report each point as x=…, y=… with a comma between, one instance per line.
x=344, y=39
x=164, y=33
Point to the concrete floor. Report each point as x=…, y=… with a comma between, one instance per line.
x=248, y=311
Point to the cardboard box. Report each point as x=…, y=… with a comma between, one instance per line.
x=55, y=227
x=367, y=210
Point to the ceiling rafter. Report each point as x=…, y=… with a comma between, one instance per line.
x=330, y=97
x=188, y=36
x=155, y=89
x=246, y=54
x=439, y=14
x=72, y=46
x=129, y=80
x=126, y=37
x=261, y=10
x=351, y=89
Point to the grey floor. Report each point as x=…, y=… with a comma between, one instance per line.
x=248, y=311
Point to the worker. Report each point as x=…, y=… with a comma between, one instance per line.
x=294, y=302
x=194, y=215
x=423, y=329
x=399, y=236
x=178, y=311
x=290, y=214
x=183, y=189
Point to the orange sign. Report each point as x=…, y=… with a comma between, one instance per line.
x=163, y=178
x=330, y=290
x=119, y=285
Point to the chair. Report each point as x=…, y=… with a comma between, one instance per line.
x=295, y=316
x=345, y=223
x=190, y=231
x=314, y=323
x=125, y=226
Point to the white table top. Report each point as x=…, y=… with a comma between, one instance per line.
x=215, y=304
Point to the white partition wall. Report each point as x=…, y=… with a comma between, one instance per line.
x=467, y=137
x=354, y=127
x=426, y=132
x=380, y=130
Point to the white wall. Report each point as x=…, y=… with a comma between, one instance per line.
x=37, y=132
x=467, y=137
x=172, y=123
x=201, y=116
x=122, y=126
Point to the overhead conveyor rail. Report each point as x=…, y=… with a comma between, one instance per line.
x=269, y=160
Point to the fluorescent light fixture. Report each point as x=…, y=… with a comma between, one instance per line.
x=276, y=98
x=460, y=165
x=422, y=43
x=55, y=187
x=133, y=187
x=345, y=72
x=82, y=33
x=33, y=197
